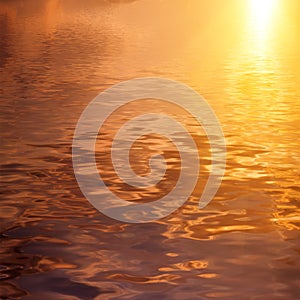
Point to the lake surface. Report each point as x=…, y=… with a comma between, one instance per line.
x=243, y=58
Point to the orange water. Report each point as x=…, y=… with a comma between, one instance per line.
x=243, y=57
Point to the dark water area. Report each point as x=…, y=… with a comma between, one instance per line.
x=56, y=56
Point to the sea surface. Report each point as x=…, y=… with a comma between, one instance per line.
x=242, y=57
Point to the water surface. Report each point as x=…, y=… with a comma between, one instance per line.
x=57, y=55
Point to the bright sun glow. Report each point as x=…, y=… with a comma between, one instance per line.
x=262, y=11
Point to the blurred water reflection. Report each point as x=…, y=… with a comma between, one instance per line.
x=56, y=55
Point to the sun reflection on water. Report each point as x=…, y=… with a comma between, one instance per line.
x=262, y=20
x=262, y=12
x=243, y=57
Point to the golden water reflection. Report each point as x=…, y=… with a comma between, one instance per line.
x=262, y=15
x=243, y=57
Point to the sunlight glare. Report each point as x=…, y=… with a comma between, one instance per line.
x=262, y=11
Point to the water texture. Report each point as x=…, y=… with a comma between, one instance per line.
x=56, y=56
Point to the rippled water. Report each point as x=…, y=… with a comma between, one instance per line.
x=55, y=56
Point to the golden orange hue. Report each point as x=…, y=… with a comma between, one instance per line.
x=243, y=56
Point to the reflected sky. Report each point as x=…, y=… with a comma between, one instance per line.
x=243, y=57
